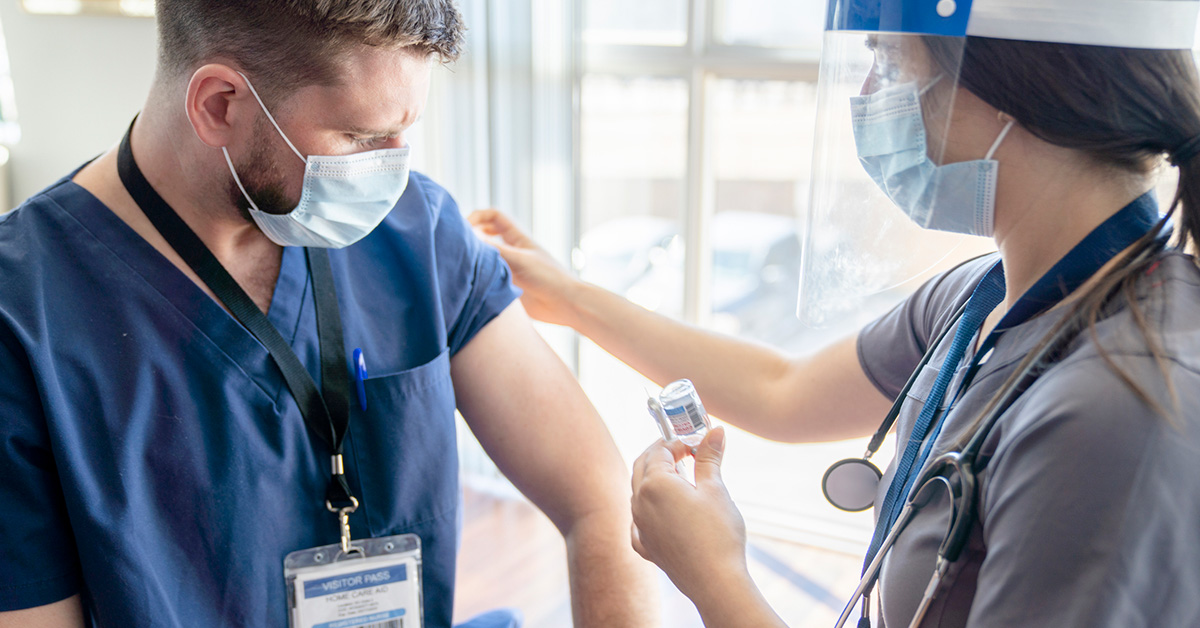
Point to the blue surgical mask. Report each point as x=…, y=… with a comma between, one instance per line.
x=889, y=132
x=343, y=198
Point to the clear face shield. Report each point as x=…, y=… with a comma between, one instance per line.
x=891, y=198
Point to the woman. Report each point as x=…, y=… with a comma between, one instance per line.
x=1043, y=127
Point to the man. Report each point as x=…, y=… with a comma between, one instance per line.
x=160, y=457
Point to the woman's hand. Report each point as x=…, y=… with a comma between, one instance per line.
x=547, y=285
x=694, y=533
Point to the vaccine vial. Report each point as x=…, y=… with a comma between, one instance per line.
x=654, y=406
x=684, y=412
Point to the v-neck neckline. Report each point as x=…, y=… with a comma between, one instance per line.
x=189, y=299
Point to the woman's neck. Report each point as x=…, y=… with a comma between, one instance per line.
x=1044, y=207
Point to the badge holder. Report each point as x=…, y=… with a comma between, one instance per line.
x=375, y=583
x=371, y=583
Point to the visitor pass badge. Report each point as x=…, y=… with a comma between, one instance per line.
x=378, y=586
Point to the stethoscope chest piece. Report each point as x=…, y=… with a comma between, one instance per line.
x=852, y=484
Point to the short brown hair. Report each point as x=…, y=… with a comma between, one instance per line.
x=292, y=43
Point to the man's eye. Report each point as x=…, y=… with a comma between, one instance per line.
x=368, y=141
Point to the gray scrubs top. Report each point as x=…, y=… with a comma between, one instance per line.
x=1089, y=511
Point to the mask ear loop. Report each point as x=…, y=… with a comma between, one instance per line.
x=992, y=151
x=238, y=180
x=921, y=92
x=272, y=119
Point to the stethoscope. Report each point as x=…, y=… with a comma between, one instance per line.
x=852, y=484
x=956, y=472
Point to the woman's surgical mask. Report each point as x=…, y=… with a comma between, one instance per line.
x=889, y=132
x=343, y=198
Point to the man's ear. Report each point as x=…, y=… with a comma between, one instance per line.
x=219, y=103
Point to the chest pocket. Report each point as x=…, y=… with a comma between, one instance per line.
x=403, y=448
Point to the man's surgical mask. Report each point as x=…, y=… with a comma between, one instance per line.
x=889, y=132
x=343, y=198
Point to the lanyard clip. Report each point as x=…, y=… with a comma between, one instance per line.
x=342, y=496
x=344, y=523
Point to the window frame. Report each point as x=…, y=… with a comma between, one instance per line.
x=701, y=60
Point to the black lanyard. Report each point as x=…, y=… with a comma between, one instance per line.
x=327, y=412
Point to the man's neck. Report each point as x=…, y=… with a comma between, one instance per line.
x=187, y=183
x=183, y=171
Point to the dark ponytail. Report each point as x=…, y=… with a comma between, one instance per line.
x=1123, y=108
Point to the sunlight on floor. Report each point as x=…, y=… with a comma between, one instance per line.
x=512, y=556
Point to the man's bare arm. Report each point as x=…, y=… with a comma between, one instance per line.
x=535, y=422
x=65, y=614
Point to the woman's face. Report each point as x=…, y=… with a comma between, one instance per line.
x=898, y=59
x=958, y=126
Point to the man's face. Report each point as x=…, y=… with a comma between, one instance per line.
x=381, y=94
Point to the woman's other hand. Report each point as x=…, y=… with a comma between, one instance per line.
x=547, y=284
x=693, y=533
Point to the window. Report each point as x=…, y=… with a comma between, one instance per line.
x=696, y=124
x=132, y=8
x=10, y=133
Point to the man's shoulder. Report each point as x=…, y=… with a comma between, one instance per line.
x=428, y=194
x=431, y=192
x=26, y=228
x=50, y=242
x=427, y=214
x=61, y=194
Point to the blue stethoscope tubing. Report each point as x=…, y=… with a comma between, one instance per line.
x=956, y=471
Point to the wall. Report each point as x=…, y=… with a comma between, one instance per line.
x=78, y=82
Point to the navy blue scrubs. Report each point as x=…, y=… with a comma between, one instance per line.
x=153, y=459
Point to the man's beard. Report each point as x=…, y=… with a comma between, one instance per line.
x=262, y=178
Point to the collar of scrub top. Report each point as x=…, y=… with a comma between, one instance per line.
x=327, y=413
x=1111, y=237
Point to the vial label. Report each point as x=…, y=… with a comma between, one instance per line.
x=681, y=421
x=679, y=410
x=686, y=419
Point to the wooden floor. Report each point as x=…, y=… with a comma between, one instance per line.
x=512, y=556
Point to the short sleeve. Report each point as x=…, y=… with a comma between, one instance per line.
x=891, y=346
x=38, y=559
x=491, y=292
x=475, y=281
x=1090, y=509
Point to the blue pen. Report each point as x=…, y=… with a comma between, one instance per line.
x=360, y=376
